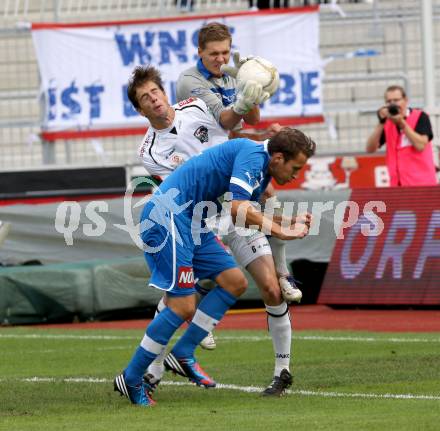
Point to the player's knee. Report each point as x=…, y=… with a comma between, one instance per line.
x=272, y=296
x=270, y=290
x=268, y=283
x=184, y=307
x=187, y=313
x=239, y=285
x=233, y=281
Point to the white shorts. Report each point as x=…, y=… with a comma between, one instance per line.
x=247, y=248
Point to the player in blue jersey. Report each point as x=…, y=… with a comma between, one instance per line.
x=180, y=249
x=173, y=137
x=214, y=81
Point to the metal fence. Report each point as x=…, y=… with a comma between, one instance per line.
x=353, y=84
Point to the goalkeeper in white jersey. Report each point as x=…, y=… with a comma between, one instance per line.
x=176, y=134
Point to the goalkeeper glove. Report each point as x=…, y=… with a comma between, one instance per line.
x=233, y=71
x=249, y=94
x=238, y=62
x=264, y=96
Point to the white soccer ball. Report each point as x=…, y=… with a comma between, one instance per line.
x=262, y=71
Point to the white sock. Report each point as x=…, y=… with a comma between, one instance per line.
x=160, y=306
x=278, y=247
x=280, y=329
x=157, y=368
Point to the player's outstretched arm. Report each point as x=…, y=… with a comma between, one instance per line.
x=253, y=116
x=229, y=119
x=256, y=135
x=244, y=214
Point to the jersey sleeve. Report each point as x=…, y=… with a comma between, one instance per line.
x=247, y=173
x=423, y=126
x=382, y=139
x=192, y=86
x=209, y=120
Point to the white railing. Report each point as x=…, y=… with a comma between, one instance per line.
x=353, y=85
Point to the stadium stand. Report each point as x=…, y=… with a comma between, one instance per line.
x=384, y=45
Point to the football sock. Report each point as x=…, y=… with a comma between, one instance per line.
x=156, y=337
x=160, y=306
x=280, y=329
x=278, y=247
x=157, y=368
x=209, y=312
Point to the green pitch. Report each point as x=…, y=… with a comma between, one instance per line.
x=62, y=380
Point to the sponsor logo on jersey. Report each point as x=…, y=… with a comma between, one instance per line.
x=254, y=182
x=202, y=134
x=187, y=101
x=197, y=91
x=144, y=146
x=176, y=160
x=185, y=278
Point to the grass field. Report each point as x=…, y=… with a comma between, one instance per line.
x=62, y=380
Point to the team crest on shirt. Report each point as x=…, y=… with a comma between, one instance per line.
x=202, y=134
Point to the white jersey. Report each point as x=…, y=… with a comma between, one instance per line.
x=194, y=129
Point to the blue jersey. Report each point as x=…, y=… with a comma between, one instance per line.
x=178, y=250
x=238, y=166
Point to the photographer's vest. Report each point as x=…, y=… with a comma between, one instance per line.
x=406, y=165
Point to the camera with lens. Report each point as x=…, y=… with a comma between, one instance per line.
x=393, y=109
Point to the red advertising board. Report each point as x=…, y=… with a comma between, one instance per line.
x=400, y=265
x=327, y=173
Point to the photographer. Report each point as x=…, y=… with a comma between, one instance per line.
x=407, y=133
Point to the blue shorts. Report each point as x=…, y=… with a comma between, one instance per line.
x=175, y=261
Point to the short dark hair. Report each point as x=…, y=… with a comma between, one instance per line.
x=213, y=32
x=139, y=76
x=290, y=142
x=395, y=88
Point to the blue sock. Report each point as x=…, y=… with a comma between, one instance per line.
x=158, y=333
x=209, y=312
